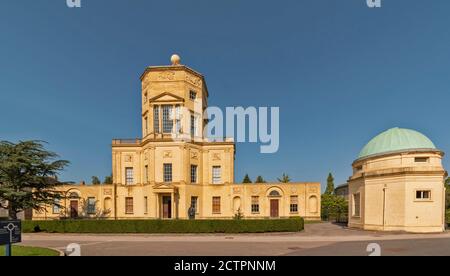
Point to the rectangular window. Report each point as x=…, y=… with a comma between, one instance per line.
x=56, y=209
x=423, y=195
x=167, y=117
x=145, y=126
x=216, y=205
x=145, y=205
x=192, y=95
x=255, y=204
x=294, y=204
x=194, y=174
x=91, y=210
x=129, y=205
x=194, y=125
x=357, y=205
x=194, y=203
x=146, y=173
x=217, y=175
x=421, y=159
x=167, y=172
x=129, y=176
x=156, y=119
x=178, y=119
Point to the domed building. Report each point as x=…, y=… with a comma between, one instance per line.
x=398, y=184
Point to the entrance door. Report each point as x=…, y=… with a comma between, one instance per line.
x=74, y=209
x=167, y=207
x=274, y=208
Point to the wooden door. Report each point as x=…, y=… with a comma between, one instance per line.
x=74, y=209
x=167, y=207
x=274, y=208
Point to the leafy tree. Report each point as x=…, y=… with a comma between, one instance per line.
x=330, y=185
x=284, y=178
x=108, y=180
x=247, y=179
x=260, y=179
x=96, y=180
x=28, y=176
x=334, y=207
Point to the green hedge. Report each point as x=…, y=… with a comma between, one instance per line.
x=164, y=226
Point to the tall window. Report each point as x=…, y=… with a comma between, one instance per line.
x=193, y=174
x=129, y=205
x=357, y=205
x=194, y=125
x=145, y=205
x=177, y=119
x=146, y=173
x=192, y=95
x=91, y=210
x=294, y=204
x=56, y=209
x=217, y=175
x=255, y=204
x=167, y=118
x=216, y=205
x=194, y=203
x=145, y=125
x=129, y=176
x=167, y=172
x=156, y=119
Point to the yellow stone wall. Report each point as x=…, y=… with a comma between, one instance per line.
x=388, y=186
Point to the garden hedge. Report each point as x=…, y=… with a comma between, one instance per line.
x=163, y=226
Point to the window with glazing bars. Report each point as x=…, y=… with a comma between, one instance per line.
x=129, y=205
x=91, y=206
x=167, y=117
x=156, y=119
x=167, y=172
x=294, y=204
x=217, y=175
x=193, y=174
x=216, y=205
x=129, y=176
x=255, y=204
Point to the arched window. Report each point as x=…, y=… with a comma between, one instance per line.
x=274, y=194
x=74, y=195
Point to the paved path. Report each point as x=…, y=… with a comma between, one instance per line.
x=317, y=239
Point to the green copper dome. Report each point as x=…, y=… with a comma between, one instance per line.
x=396, y=139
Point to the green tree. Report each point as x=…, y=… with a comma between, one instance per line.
x=260, y=179
x=28, y=176
x=108, y=180
x=334, y=207
x=284, y=178
x=330, y=185
x=247, y=179
x=96, y=180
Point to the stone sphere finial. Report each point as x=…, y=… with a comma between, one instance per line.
x=175, y=59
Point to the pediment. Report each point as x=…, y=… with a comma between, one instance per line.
x=167, y=97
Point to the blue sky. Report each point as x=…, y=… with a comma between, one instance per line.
x=340, y=73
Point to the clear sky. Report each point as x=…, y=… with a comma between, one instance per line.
x=340, y=73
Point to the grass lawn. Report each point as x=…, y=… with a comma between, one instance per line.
x=29, y=251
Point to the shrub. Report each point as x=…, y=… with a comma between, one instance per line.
x=164, y=226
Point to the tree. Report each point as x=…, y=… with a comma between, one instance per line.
x=96, y=180
x=108, y=180
x=334, y=207
x=247, y=179
x=260, y=179
x=28, y=176
x=284, y=178
x=330, y=185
